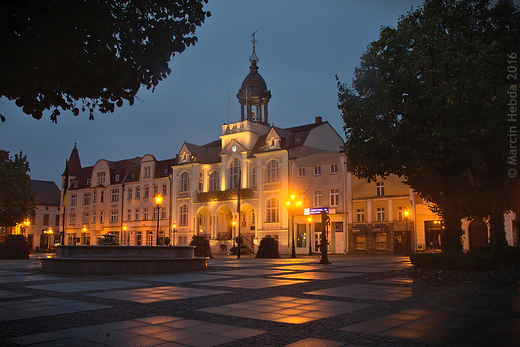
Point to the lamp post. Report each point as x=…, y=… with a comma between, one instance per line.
x=406, y=213
x=292, y=205
x=309, y=238
x=174, y=230
x=84, y=241
x=158, y=200
x=123, y=237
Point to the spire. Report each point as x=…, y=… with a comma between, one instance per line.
x=74, y=164
x=254, y=58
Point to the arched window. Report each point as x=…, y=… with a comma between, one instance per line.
x=273, y=210
x=214, y=181
x=253, y=177
x=272, y=171
x=184, y=182
x=234, y=174
x=183, y=215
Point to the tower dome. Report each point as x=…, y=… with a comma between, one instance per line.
x=253, y=94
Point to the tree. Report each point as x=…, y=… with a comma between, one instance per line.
x=429, y=103
x=17, y=201
x=83, y=54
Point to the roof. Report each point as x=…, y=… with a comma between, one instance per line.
x=73, y=164
x=47, y=192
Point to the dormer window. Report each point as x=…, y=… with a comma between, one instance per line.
x=117, y=178
x=147, y=171
x=75, y=184
x=88, y=182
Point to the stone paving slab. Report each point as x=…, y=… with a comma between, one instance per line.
x=355, y=301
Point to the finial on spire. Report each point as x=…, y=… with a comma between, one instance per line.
x=254, y=58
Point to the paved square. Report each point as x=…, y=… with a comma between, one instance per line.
x=26, y=278
x=73, y=287
x=6, y=294
x=155, y=294
x=286, y=309
x=183, y=277
x=252, y=272
x=313, y=342
x=395, y=280
x=313, y=275
x=31, y=308
x=252, y=283
x=367, y=291
x=150, y=331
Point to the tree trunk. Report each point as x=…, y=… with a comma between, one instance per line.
x=497, y=231
x=451, y=241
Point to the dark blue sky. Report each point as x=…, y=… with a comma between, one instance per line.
x=301, y=44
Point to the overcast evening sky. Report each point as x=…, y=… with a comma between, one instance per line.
x=301, y=46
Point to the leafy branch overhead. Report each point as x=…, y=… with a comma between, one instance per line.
x=80, y=55
x=429, y=103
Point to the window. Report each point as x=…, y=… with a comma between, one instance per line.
x=147, y=171
x=73, y=200
x=72, y=219
x=136, y=214
x=57, y=222
x=380, y=189
x=88, y=182
x=86, y=218
x=272, y=171
x=234, y=174
x=184, y=182
x=101, y=217
x=138, y=238
x=114, y=217
x=333, y=168
x=400, y=213
x=164, y=190
x=130, y=193
x=317, y=198
x=360, y=215
x=317, y=170
x=154, y=216
x=138, y=192
x=213, y=181
x=155, y=190
x=114, y=195
x=301, y=172
x=146, y=192
x=145, y=213
x=93, y=217
x=94, y=197
x=253, y=177
x=129, y=215
x=163, y=213
x=86, y=199
x=380, y=214
x=303, y=197
x=117, y=178
x=101, y=196
x=100, y=177
x=46, y=219
x=334, y=197
x=184, y=215
x=273, y=210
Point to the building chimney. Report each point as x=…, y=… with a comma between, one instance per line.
x=318, y=119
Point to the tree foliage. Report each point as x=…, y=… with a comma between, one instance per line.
x=17, y=201
x=15, y=247
x=87, y=54
x=429, y=103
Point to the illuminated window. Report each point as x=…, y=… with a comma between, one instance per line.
x=214, y=181
x=272, y=171
x=273, y=210
x=234, y=174
x=183, y=215
x=184, y=182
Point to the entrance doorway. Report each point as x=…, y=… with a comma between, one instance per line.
x=401, y=243
x=478, y=234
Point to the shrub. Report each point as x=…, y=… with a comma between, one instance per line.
x=166, y=241
x=480, y=261
x=108, y=240
x=202, y=248
x=268, y=248
x=15, y=247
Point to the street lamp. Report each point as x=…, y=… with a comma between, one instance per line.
x=293, y=205
x=309, y=237
x=124, y=233
x=406, y=213
x=158, y=200
x=174, y=230
x=84, y=241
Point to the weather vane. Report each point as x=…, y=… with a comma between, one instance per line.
x=254, y=58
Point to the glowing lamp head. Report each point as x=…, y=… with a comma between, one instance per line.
x=158, y=199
